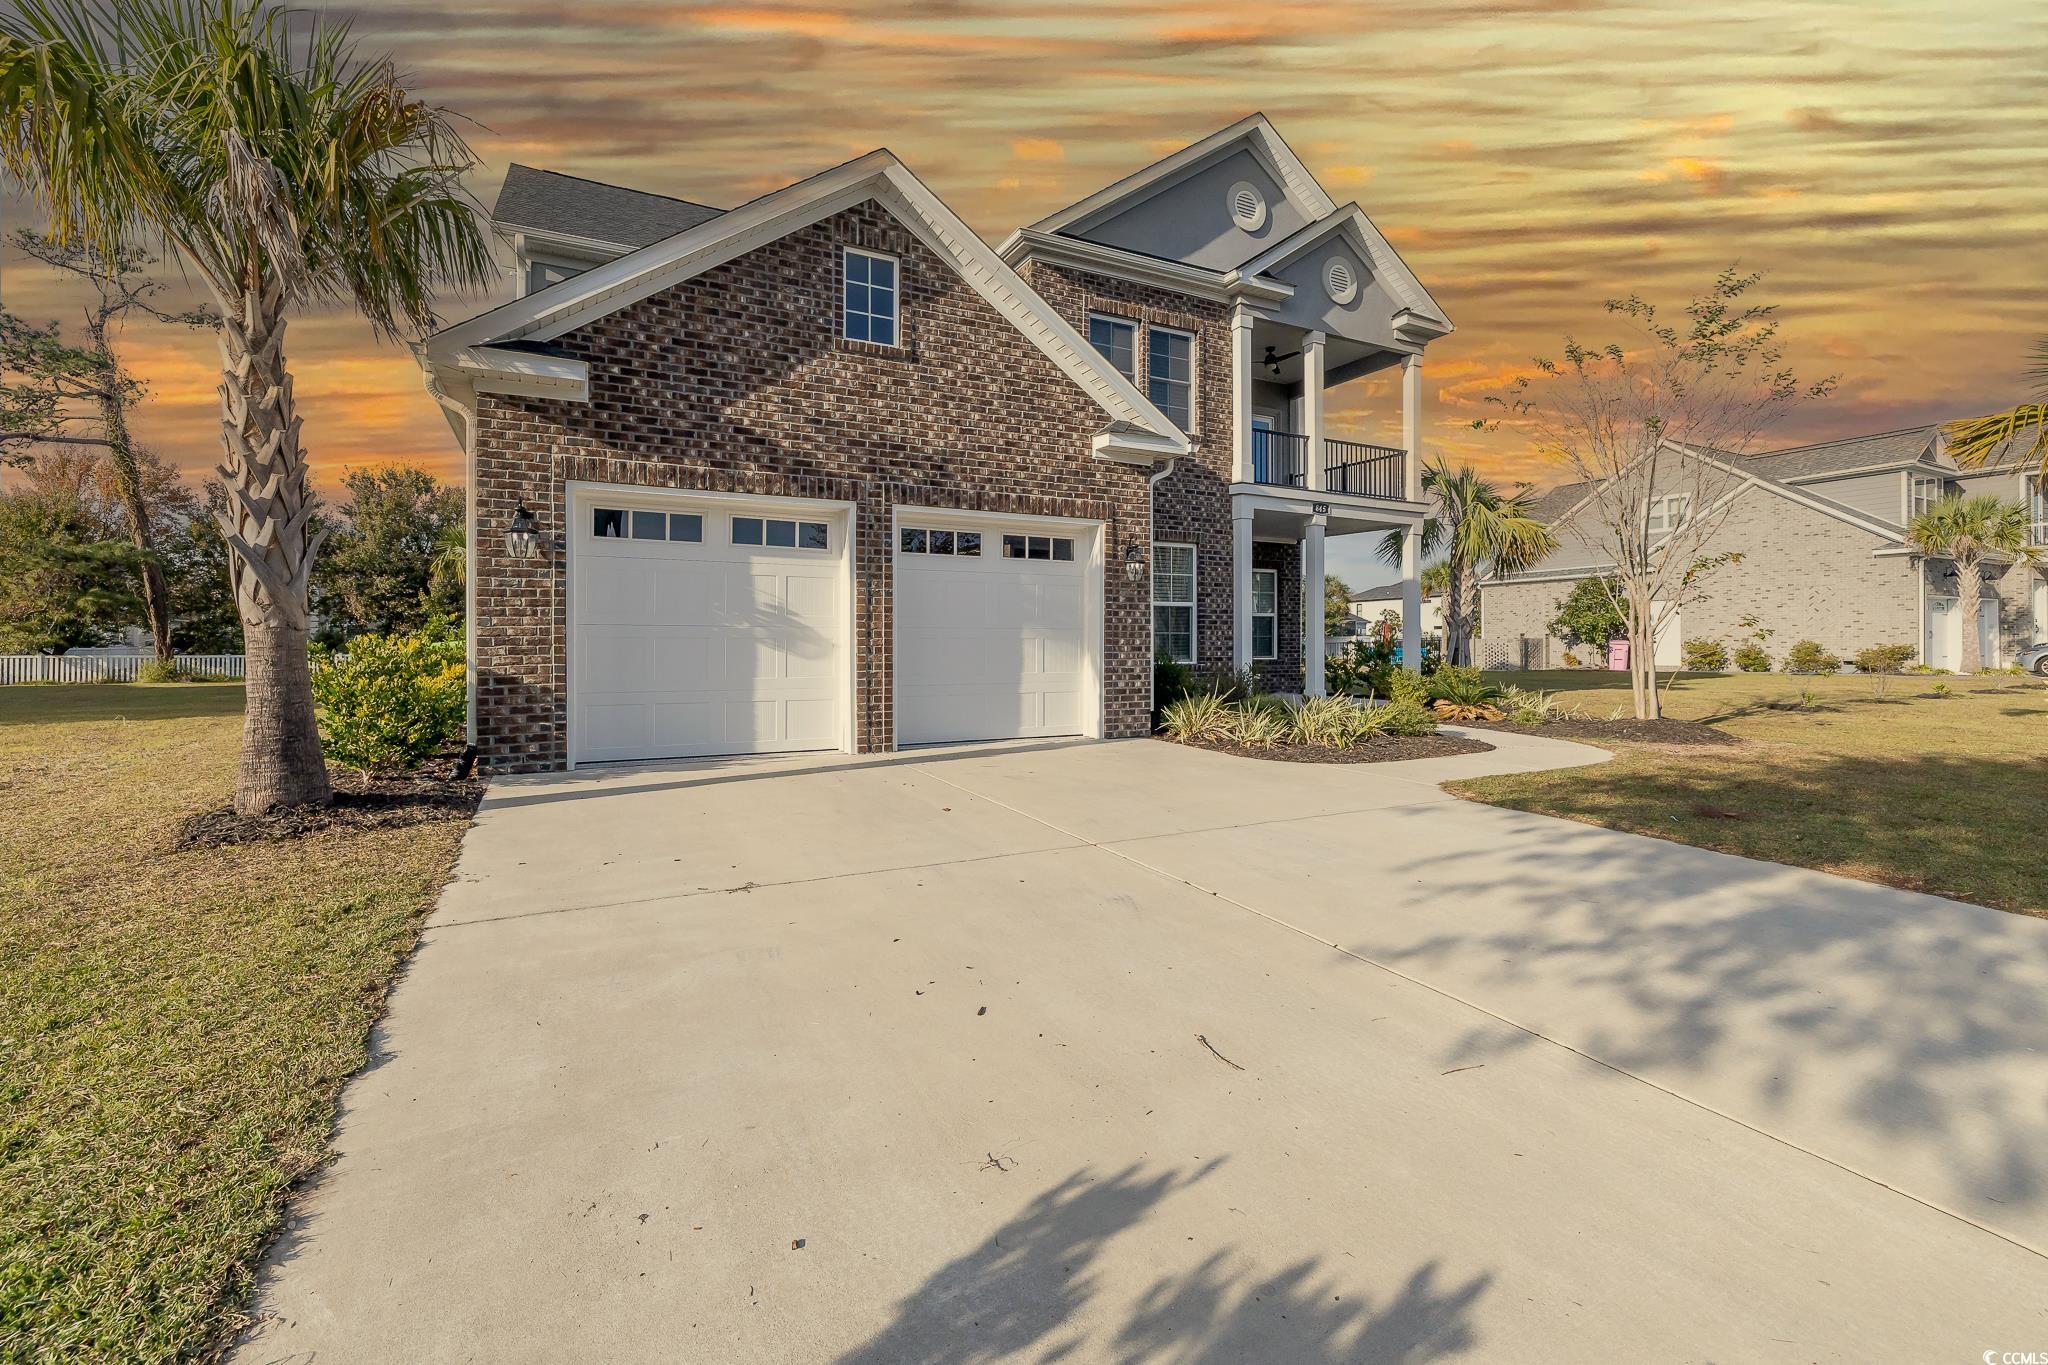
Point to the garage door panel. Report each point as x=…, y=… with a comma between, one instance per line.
x=692, y=648
x=988, y=647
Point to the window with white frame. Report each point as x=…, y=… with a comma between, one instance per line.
x=1265, y=613
x=869, y=312
x=1922, y=494
x=1173, y=602
x=1170, y=374
x=2037, y=511
x=1667, y=513
x=1117, y=339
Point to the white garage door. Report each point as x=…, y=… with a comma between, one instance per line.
x=991, y=629
x=704, y=628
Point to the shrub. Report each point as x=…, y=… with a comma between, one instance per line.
x=1171, y=680
x=1351, y=672
x=1706, y=656
x=1201, y=718
x=1808, y=657
x=1884, y=658
x=1752, y=658
x=1334, y=722
x=157, y=671
x=1254, y=723
x=1399, y=684
x=1525, y=706
x=1571, y=660
x=1462, y=685
x=1409, y=718
x=390, y=701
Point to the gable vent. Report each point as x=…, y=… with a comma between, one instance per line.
x=1247, y=206
x=1339, y=281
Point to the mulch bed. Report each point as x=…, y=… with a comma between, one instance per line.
x=1688, y=732
x=360, y=803
x=1380, y=749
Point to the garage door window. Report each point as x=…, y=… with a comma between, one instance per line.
x=781, y=533
x=1173, y=602
x=608, y=521
x=918, y=540
x=1038, y=547
x=616, y=523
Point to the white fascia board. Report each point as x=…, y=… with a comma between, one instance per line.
x=569, y=244
x=1352, y=221
x=574, y=302
x=1134, y=447
x=1193, y=280
x=1254, y=131
x=490, y=369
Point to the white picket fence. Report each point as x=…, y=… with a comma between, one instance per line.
x=42, y=668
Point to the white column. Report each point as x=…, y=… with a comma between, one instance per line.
x=1411, y=599
x=1313, y=648
x=1411, y=424
x=1312, y=406
x=1241, y=396
x=1241, y=590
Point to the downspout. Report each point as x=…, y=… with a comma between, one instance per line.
x=1151, y=636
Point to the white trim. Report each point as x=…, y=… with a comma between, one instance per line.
x=1255, y=131
x=879, y=176
x=1273, y=615
x=1215, y=286
x=576, y=496
x=527, y=374
x=1193, y=603
x=1093, y=533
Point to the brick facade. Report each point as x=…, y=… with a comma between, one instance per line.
x=1804, y=574
x=1191, y=506
x=736, y=381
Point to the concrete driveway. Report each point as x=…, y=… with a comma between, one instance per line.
x=1126, y=1052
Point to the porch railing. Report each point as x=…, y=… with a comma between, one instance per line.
x=1364, y=470
x=1279, y=457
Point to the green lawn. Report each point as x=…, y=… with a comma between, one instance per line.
x=174, y=1027
x=1875, y=778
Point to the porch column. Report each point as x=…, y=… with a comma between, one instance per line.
x=1241, y=395
x=1313, y=682
x=1312, y=407
x=1411, y=425
x=1411, y=598
x=1241, y=589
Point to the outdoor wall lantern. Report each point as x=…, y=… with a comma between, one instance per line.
x=523, y=538
x=1134, y=563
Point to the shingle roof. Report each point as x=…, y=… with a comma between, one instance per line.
x=1385, y=592
x=548, y=201
x=1851, y=452
x=1548, y=507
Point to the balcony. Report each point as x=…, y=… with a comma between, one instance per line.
x=1282, y=459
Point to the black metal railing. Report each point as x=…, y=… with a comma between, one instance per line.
x=1279, y=457
x=1364, y=470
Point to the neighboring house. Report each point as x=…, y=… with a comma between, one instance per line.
x=1821, y=531
x=1368, y=604
x=826, y=471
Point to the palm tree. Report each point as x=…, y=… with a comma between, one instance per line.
x=1964, y=530
x=286, y=170
x=1974, y=440
x=1477, y=529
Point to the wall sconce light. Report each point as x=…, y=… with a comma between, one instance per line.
x=523, y=538
x=1134, y=563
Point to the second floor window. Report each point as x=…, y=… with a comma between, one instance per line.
x=1118, y=342
x=1667, y=513
x=1923, y=495
x=1170, y=374
x=869, y=312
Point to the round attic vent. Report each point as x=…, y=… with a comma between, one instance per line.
x=1247, y=206
x=1338, y=280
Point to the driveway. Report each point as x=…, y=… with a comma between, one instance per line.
x=1128, y=1052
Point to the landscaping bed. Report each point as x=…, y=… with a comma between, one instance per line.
x=361, y=801
x=1378, y=749
x=1666, y=731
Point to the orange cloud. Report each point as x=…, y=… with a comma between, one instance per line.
x=1037, y=149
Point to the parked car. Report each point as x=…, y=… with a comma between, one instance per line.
x=2034, y=658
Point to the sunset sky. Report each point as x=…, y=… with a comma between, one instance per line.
x=1886, y=165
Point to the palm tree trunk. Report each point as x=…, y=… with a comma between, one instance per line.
x=1468, y=607
x=265, y=523
x=1970, y=582
x=1454, y=604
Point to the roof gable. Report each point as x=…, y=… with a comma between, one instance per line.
x=1905, y=446
x=1351, y=224
x=1135, y=430
x=1253, y=134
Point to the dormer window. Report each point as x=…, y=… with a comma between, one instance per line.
x=869, y=310
x=1924, y=493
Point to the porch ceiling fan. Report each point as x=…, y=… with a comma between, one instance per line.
x=1273, y=360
